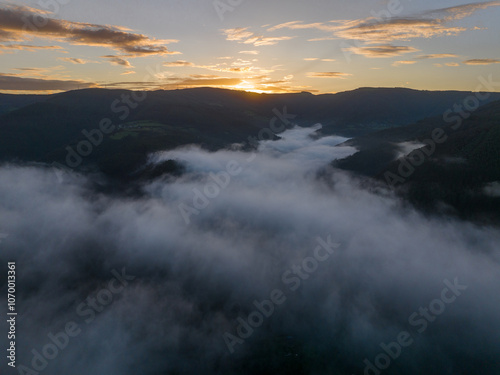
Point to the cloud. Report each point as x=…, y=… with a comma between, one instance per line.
x=237, y=34
x=237, y=66
x=53, y=73
x=318, y=59
x=19, y=23
x=461, y=11
x=371, y=30
x=31, y=69
x=438, y=56
x=481, y=61
x=322, y=39
x=11, y=82
x=26, y=47
x=117, y=60
x=381, y=51
x=135, y=85
x=74, y=60
x=404, y=62
x=266, y=41
x=452, y=64
x=201, y=80
x=249, y=52
x=244, y=69
x=299, y=25
x=242, y=35
x=178, y=63
x=327, y=75
x=250, y=82
x=428, y=57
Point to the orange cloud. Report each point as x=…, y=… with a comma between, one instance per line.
x=404, y=62
x=328, y=75
x=481, y=62
x=26, y=47
x=372, y=30
x=238, y=66
x=19, y=23
x=461, y=11
x=438, y=56
x=178, y=63
x=381, y=51
x=117, y=60
x=74, y=60
x=242, y=35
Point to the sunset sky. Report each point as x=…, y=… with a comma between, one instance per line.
x=257, y=45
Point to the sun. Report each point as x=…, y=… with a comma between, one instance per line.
x=250, y=87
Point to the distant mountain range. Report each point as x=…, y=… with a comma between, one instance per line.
x=61, y=127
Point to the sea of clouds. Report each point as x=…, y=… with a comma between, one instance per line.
x=196, y=269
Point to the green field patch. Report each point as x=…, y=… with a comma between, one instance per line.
x=123, y=134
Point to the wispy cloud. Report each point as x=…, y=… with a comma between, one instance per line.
x=318, y=59
x=178, y=63
x=481, y=61
x=237, y=66
x=322, y=39
x=242, y=35
x=237, y=34
x=201, y=80
x=381, y=51
x=438, y=56
x=74, y=60
x=461, y=11
x=404, y=62
x=328, y=75
x=117, y=60
x=299, y=25
x=249, y=52
x=371, y=30
x=26, y=47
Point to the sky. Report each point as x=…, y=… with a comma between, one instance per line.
x=319, y=46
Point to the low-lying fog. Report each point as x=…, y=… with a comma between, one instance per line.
x=235, y=228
